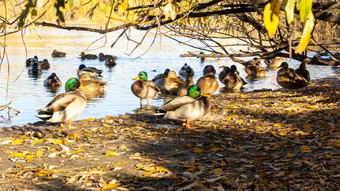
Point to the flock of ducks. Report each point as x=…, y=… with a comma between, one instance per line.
x=66, y=106
x=192, y=99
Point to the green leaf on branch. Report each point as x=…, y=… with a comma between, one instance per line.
x=305, y=8
x=289, y=9
x=29, y=5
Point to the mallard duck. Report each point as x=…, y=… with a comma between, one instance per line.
x=183, y=90
x=143, y=88
x=287, y=78
x=110, y=62
x=45, y=65
x=88, y=70
x=65, y=106
x=191, y=107
x=52, y=81
x=172, y=83
x=254, y=70
x=104, y=57
x=232, y=80
x=202, y=58
x=159, y=79
x=223, y=73
x=31, y=60
x=34, y=69
x=208, y=83
x=58, y=54
x=84, y=56
x=274, y=63
x=186, y=70
x=91, y=84
x=303, y=72
x=209, y=70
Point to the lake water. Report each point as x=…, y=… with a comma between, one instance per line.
x=28, y=94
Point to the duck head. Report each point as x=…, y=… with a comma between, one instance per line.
x=72, y=84
x=142, y=76
x=81, y=66
x=166, y=72
x=194, y=91
x=284, y=65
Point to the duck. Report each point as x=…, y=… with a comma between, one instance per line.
x=254, y=70
x=110, y=62
x=274, y=63
x=202, y=58
x=193, y=106
x=223, y=73
x=89, y=70
x=65, y=106
x=287, y=78
x=104, y=57
x=159, y=79
x=232, y=80
x=183, y=90
x=34, y=69
x=208, y=83
x=52, y=81
x=209, y=69
x=303, y=72
x=84, y=56
x=31, y=60
x=172, y=83
x=91, y=84
x=58, y=54
x=186, y=70
x=143, y=88
x=45, y=65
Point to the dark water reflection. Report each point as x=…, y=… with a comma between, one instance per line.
x=28, y=93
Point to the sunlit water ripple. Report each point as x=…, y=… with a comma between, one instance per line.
x=28, y=93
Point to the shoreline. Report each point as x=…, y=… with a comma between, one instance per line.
x=249, y=140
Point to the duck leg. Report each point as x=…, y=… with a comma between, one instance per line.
x=147, y=106
x=140, y=102
x=187, y=125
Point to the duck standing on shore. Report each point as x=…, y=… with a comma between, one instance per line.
x=233, y=80
x=208, y=83
x=287, y=78
x=143, y=88
x=159, y=79
x=172, y=83
x=186, y=70
x=191, y=107
x=66, y=106
x=183, y=90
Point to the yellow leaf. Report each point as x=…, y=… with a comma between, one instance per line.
x=60, y=141
x=19, y=166
x=271, y=16
x=289, y=155
x=19, y=155
x=111, y=153
x=39, y=153
x=198, y=150
x=308, y=26
x=42, y=173
x=216, y=171
x=30, y=158
x=161, y=169
x=305, y=149
x=17, y=142
x=109, y=186
x=120, y=163
x=215, y=149
x=38, y=141
x=77, y=151
x=312, y=106
x=191, y=169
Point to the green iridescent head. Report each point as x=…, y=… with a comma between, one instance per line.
x=194, y=91
x=142, y=75
x=72, y=84
x=201, y=52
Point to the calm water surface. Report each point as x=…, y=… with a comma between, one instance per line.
x=28, y=94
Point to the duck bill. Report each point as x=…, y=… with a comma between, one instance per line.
x=204, y=95
x=83, y=87
x=136, y=78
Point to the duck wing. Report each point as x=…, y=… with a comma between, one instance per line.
x=152, y=85
x=177, y=102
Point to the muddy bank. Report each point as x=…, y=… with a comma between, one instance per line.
x=249, y=141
